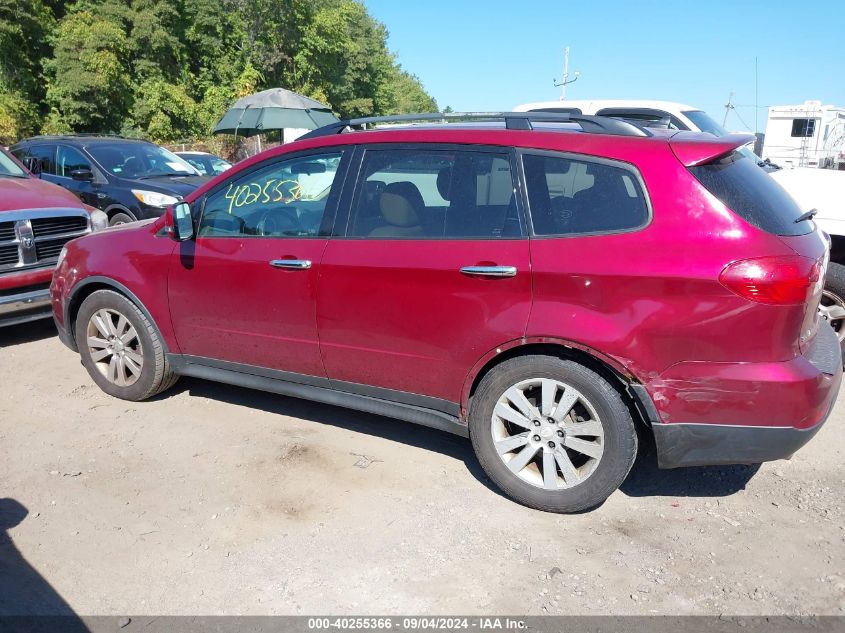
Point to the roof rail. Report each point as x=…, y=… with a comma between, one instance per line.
x=512, y=120
x=84, y=135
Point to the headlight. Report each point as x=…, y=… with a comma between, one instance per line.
x=99, y=220
x=154, y=198
x=63, y=252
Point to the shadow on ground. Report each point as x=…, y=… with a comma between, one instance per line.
x=27, y=601
x=645, y=478
x=27, y=332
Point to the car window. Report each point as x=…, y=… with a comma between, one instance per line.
x=218, y=165
x=430, y=194
x=70, y=159
x=44, y=155
x=285, y=199
x=569, y=196
x=748, y=191
x=197, y=164
x=139, y=160
x=9, y=167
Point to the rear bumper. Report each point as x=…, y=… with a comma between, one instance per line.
x=27, y=305
x=745, y=413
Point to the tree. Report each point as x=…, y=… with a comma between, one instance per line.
x=89, y=88
x=168, y=69
x=24, y=29
x=410, y=95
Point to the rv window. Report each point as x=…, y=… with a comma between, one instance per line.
x=803, y=127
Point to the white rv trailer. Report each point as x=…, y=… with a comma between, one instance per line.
x=808, y=135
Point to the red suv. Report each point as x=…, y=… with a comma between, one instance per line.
x=541, y=283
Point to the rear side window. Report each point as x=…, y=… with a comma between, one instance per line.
x=44, y=155
x=435, y=194
x=570, y=196
x=752, y=194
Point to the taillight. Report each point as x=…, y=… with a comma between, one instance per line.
x=773, y=280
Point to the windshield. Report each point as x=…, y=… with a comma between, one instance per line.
x=8, y=167
x=704, y=123
x=139, y=160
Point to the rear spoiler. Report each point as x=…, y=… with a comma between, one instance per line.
x=696, y=148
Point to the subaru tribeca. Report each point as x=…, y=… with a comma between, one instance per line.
x=543, y=284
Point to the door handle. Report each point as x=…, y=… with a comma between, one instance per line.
x=489, y=271
x=291, y=264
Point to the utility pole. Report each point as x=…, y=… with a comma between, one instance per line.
x=566, y=79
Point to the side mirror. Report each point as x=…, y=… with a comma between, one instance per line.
x=82, y=174
x=182, y=224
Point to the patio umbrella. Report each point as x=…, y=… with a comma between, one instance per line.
x=273, y=109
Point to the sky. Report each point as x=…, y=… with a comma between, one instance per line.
x=491, y=55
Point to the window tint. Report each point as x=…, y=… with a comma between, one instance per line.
x=285, y=199
x=803, y=127
x=752, y=194
x=435, y=194
x=570, y=196
x=69, y=160
x=45, y=155
x=197, y=164
x=139, y=160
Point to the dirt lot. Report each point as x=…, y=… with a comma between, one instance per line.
x=213, y=499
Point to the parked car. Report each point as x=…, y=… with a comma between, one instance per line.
x=128, y=179
x=800, y=183
x=205, y=163
x=543, y=284
x=36, y=220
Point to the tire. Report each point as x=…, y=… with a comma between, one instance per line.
x=832, y=306
x=604, y=418
x=120, y=218
x=132, y=366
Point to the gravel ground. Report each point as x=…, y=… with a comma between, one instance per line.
x=217, y=500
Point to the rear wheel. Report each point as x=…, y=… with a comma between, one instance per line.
x=120, y=348
x=832, y=306
x=552, y=434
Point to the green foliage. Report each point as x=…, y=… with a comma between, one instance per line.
x=89, y=88
x=169, y=69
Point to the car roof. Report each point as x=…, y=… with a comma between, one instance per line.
x=84, y=139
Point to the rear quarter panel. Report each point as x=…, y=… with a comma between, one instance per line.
x=651, y=298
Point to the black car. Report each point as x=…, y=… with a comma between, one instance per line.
x=128, y=179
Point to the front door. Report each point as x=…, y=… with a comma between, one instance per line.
x=244, y=290
x=432, y=273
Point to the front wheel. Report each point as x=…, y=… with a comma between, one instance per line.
x=120, y=348
x=552, y=434
x=120, y=218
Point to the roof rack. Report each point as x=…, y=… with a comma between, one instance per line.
x=512, y=120
x=84, y=135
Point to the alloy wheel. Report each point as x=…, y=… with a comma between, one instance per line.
x=547, y=433
x=832, y=310
x=114, y=347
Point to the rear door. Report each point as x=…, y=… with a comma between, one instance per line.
x=244, y=290
x=431, y=273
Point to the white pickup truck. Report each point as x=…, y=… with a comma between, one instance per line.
x=820, y=189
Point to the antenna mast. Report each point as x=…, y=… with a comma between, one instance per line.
x=566, y=79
